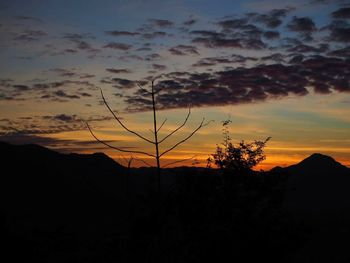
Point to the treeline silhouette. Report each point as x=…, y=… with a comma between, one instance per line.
x=74, y=208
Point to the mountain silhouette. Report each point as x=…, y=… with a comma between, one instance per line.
x=318, y=185
x=75, y=208
x=18, y=157
x=57, y=200
x=319, y=163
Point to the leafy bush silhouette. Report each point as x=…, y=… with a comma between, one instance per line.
x=239, y=158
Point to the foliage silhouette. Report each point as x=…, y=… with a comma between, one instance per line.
x=239, y=158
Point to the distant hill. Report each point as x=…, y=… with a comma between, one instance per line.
x=17, y=157
x=318, y=185
x=33, y=168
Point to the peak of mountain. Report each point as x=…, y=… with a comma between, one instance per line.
x=318, y=185
x=318, y=163
x=318, y=159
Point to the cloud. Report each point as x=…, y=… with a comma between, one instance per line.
x=273, y=18
x=237, y=34
x=62, y=117
x=62, y=94
x=182, y=50
x=130, y=57
x=86, y=76
x=342, y=13
x=307, y=49
x=211, y=61
x=248, y=85
x=301, y=24
x=340, y=34
x=85, y=94
x=218, y=42
x=232, y=24
x=61, y=145
x=70, y=50
x=159, y=67
x=153, y=35
x=118, y=71
x=30, y=35
x=342, y=52
x=190, y=22
x=63, y=83
x=20, y=87
x=122, y=33
x=160, y=22
x=10, y=97
x=76, y=37
x=81, y=42
x=29, y=18
x=208, y=33
x=123, y=83
x=22, y=138
x=271, y=34
x=120, y=46
x=83, y=45
x=152, y=57
x=6, y=83
x=276, y=57
x=29, y=129
x=70, y=118
x=64, y=72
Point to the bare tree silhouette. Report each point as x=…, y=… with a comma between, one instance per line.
x=157, y=141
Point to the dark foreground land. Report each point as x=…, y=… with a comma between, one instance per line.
x=84, y=208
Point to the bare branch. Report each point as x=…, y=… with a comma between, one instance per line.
x=146, y=163
x=158, y=90
x=120, y=122
x=161, y=125
x=143, y=89
x=116, y=148
x=179, y=161
x=189, y=136
x=178, y=128
x=121, y=157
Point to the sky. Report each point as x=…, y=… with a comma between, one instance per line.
x=278, y=69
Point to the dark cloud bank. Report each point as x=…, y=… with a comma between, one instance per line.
x=248, y=85
x=309, y=59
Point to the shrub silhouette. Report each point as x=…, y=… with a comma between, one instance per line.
x=240, y=158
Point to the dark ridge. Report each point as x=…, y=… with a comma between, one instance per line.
x=32, y=154
x=318, y=159
x=82, y=208
x=318, y=163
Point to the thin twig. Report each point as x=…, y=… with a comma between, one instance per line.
x=114, y=147
x=182, y=141
x=178, y=128
x=120, y=122
x=179, y=161
x=143, y=161
x=161, y=125
x=143, y=89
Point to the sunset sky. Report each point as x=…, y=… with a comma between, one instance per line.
x=277, y=69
